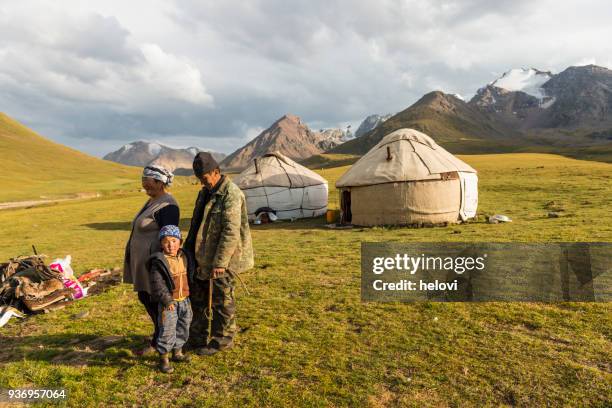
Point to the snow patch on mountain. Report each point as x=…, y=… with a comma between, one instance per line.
x=154, y=149
x=548, y=103
x=369, y=123
x=529, y=81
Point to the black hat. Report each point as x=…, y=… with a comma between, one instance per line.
x=204, y=162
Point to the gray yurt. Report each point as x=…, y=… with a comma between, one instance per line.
x=407, y=179
x=274, y=182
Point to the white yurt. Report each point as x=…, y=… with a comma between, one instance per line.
x=407, y=179
x=274, y=181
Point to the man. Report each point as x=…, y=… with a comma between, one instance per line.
x=220, y=240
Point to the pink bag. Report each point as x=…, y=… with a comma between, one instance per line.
x=75, y=286
x=63, y=265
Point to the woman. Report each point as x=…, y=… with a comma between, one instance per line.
x=160, y=210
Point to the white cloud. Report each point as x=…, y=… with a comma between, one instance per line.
x=149, y=68
x=252, y=133
x=93, y=60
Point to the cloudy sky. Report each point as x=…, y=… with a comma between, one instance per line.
x=95, y=75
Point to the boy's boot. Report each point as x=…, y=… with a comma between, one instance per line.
x=178, y=356
x=164, y=364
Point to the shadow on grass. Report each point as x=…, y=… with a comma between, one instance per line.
x=73, y=349
x=319, y=223
x=301, y=224
x=127, y=225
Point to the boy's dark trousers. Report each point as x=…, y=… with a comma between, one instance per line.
x=174, y=326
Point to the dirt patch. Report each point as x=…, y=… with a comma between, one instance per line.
x=33, y=203
x=85, y=351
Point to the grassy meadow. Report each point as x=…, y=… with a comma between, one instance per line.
x=307, y=339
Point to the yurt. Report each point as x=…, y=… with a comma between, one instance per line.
x=275, y=183
x=407, y=179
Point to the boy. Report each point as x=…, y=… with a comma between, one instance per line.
x=170, y=273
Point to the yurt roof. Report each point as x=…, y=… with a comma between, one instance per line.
x=403, y=155
x=277, y=170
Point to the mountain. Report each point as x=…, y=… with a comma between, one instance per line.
x=577, y=99
x=35, y=166
x=142, y=153
x=332, y=138
x=514, y=97
x=581, y=98
x=288, y=135
x=370, y=123
x=452, y=122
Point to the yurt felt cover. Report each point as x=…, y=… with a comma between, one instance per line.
x=276, y=170
x=429, y=201
x=414, y=156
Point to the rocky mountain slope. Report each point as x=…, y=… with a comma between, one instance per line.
x=288, y=135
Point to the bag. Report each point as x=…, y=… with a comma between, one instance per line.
x=63, y=266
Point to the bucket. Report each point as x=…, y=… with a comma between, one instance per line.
x=332, y=216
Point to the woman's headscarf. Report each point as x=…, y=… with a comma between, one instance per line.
x=158, y=172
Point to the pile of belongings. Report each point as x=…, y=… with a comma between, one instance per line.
x=28, y=285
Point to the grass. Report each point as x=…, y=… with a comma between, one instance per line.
x=328, y=160
x=308, y=339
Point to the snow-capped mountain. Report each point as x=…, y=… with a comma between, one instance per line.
x=578, y=97
x=515, y=94
x=528, y=80
x=370, y=123
x=142, y=153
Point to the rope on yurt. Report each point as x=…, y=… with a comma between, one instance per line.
x=257, y=171
x=303, y=191
x=420, y=158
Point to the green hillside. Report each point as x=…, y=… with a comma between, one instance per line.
x=35, y=167
x=451, y=122
x=328, y=160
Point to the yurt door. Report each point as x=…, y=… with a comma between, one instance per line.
x=469, y=195
x=345, y=207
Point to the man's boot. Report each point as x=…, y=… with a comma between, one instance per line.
x=164, y=364
x=214, y=348
x=179, y=357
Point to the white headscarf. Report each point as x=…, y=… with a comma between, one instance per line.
x=157, y=172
